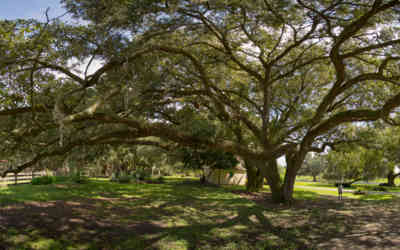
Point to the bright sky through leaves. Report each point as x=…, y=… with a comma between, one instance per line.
x=14, y=9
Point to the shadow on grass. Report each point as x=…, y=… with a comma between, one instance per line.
x=179, y=215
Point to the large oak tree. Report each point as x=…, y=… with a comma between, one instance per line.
x=278, y=78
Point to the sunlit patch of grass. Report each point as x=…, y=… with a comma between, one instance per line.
x=384, y=180
x=315, y=184
x=366, y=187
x=31, y=239
x=99, y=179
x=304, y=193
x=44, y=243
x=377, y=197
x=18, y=238
x=313, y=193
x=174, y=240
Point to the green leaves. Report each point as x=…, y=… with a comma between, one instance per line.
x=198, y=158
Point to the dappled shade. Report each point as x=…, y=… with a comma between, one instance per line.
x=188, y=215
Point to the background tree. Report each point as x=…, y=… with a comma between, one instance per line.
x=349, y=165
x=387, y=140
x=314, y=165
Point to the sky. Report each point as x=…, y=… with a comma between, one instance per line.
x=13, y=9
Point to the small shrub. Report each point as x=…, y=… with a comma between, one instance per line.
x=124, y=179
x=141, y=175
x=380, y=188
x=80, y=179
x=158, y=180
x=161, y=179
x=384, y=185
x=113, y=178
x=43, y=180
x=61, y=178
x=345, y=185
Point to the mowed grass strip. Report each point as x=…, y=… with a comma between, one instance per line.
x=179, y=214
x=364, y=187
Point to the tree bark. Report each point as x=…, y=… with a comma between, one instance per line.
x=391, y=177
x=288, y=184
x=271, y=173
x=293, y=164
x=282, y=192
x=255, y=179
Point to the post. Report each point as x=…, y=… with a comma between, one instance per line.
x=15, y=178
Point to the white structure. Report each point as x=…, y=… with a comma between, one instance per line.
x=234, y=176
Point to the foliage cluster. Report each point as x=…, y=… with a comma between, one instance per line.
x=43, y=180
x=197, y=159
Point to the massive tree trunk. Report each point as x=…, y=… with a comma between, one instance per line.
x=257, y=170
x=255, y=179
x=271, y=173
x=293, y=164
x=282, y=191
x=288, y=184
x=268, y=170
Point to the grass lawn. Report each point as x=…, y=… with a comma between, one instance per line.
x=366, y=187
x=183, y=214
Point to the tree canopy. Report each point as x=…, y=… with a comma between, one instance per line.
x=271, y=78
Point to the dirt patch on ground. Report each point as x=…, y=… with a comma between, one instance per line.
x=80, y=220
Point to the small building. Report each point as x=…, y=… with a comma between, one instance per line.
x=234, y=176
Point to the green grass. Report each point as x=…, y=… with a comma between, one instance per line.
x=179, y=214
x=308, y=179
x=310, y=193
x=384, y=180
x=315, y=184
x=318, y=193
x=365, y=187
x=188, y=218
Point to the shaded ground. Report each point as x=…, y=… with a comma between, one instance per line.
x=186, y=215
x=334, y=224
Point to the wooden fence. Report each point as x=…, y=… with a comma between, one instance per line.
x=23, y=177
